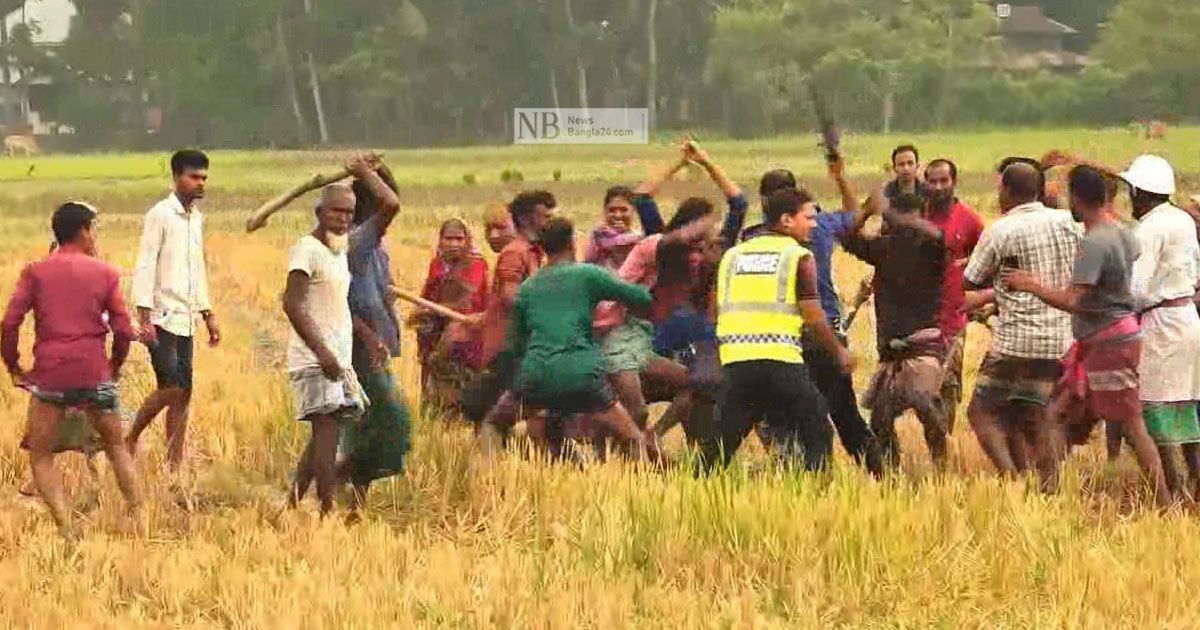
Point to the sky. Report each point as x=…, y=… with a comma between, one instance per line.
x=52, y=18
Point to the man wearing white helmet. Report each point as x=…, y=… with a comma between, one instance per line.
x=1164, y=284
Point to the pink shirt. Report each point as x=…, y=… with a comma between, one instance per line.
x=69, y=293
x=640, y=267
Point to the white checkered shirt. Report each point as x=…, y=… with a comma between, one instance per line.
x=1044, y=241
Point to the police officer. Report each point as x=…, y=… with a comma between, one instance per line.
x=766, y=295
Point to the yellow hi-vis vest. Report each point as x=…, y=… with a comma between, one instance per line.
x=757, y=315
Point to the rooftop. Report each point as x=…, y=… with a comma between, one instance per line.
x=1029, y=20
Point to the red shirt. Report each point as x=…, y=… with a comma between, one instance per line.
x=69, y=293
x=961, y=228
x=519, y=260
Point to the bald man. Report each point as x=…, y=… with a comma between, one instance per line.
x=1021, y=369
x=325, y=388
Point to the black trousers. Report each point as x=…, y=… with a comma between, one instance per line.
x=783, y=394
x=838, y=390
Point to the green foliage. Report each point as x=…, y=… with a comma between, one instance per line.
x=430, y=72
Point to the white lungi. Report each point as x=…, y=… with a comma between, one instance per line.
x=1170, y=366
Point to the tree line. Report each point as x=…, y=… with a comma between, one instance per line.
x=292, y=73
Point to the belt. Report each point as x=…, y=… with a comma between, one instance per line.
x=1179, y=301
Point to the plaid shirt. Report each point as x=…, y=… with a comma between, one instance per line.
x=1044, y=241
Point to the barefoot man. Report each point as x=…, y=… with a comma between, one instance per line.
x=70, y=292
x=170, y=288
x=316, y=301
x=1101, y=380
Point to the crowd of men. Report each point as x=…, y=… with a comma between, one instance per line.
x=739, y=328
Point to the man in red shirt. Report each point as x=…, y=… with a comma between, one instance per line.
x=961, y=227
x=520, y=259
x=70, y=293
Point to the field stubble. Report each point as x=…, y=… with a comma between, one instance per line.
x=457, y=543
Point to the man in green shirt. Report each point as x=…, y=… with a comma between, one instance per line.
x=551, y=336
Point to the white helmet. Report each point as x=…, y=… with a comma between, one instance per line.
x=1151, y=174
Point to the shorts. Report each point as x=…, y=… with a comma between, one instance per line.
x=598, y=397
x=628, y=347
x=171, y=357
x=1006, y=380
x=103, y=397
x=314, y=394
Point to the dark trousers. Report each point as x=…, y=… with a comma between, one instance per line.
x=783, y=394
x=838, y=390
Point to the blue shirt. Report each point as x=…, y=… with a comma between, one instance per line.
x=369, y=280
x=831, y=227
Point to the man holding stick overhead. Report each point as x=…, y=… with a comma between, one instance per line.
x=324, y=384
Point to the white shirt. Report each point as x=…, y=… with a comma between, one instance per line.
x=1170, y=260
x=170, y=278
x=328, y=302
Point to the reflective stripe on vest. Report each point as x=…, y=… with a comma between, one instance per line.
x=758, y=318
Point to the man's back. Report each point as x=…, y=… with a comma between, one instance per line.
x=1044, y=242
x=69, y=293
x=552, y=320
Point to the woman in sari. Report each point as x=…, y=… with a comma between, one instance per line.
x=450, y=351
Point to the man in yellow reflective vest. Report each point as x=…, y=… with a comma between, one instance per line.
x=766, y=294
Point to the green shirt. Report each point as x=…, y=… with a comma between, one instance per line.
x=551, y=326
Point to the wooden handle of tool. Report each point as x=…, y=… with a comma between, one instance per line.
x=264, y=212
x=434, y=307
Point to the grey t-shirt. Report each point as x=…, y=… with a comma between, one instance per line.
x=1105, y=261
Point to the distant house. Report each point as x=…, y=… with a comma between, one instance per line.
x=23, y=99
x=1033, y=41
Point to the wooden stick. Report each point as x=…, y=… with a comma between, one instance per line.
x=434, y=307
x=316, y=182
x=264, y=212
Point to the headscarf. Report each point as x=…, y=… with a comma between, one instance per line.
x=472, y=249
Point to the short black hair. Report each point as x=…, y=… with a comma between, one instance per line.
x=905, y=203
x=1089, y=184
x=523, y=205
x=365, y=203
x=947, y=162
x=70, y=219
x=557, y=236
x=614, y=192
x=785, y=201
x=904, y=148
x=777, y=179
x=188, y=159
x=691, y=210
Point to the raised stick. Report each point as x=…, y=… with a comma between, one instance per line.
x=434, y=307
x=264, y=212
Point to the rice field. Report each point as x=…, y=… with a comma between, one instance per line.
x=459, y=543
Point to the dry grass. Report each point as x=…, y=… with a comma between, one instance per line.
x=455, y=543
